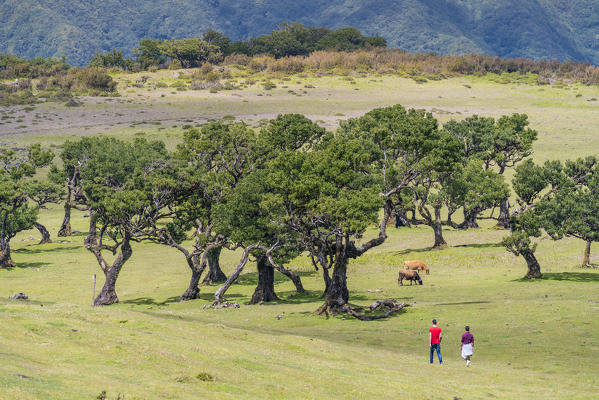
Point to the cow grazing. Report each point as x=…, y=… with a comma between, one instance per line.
x=409, y=276
x=416, y=265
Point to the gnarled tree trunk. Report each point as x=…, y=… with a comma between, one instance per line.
x=108, y=294
x=220, y=293
x=437, y=226
x=265, y=290
x=5, y=258
x=586, y=261
x=440, y=242
x=534, y=269
x=65, y=227
x=215, y=274
x=193, y=290
x=44, y=232
x=504, y=214
x=297, y=281
x=450, y=222
x=401, y=219
x=92, y=243
x=327, y=281
x=469, y=220
x=337, y=293
x=72, y=186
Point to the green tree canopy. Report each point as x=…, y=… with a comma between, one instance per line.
x=149, y=52
x=110, y=59
x=122, y=196
x=191, y=52
x=17, y=167
x=537, y=187
x=573, y=210
x=413, y=156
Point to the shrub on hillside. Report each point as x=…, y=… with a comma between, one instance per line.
x=289, y=65
x=11, y=97
x=12, y=67
x=237, y=59
x=83, y=80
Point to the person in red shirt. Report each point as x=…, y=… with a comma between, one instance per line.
x=435, y=341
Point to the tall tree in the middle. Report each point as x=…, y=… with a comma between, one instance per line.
x=330, y=196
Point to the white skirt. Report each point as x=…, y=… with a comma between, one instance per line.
x=466, y=350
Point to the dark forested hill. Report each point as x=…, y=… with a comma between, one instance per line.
x=560, y=29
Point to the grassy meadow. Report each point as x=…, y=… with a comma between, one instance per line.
x=534, y=339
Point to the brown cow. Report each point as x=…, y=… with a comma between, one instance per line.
x=409, y=276
x=416, y=265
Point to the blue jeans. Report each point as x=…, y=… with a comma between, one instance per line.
x=437, y=347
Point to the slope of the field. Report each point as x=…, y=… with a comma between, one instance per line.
x=534, y=339
x=565, y=30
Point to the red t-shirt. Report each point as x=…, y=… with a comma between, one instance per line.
x=435, y=331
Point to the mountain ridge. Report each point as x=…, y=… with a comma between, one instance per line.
x=539, y=29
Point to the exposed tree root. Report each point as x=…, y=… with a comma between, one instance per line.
x=225, y=304
x=391, y=304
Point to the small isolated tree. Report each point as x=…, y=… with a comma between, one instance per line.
x=573, y=210
x=191, y=52
x=115, y=183
x=149, y=53
x=16, y=214
x=110, y=59
x=329, y=197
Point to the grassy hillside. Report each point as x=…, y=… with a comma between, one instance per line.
x=537, y=29
x=564, y=115
x=534, y=339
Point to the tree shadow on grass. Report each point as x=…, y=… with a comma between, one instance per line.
x=309, y=296
x=31, y=265
x=427, y=249
x=146, y=301
x=27, y=250
x=293, y=297
x=463, y=303
x=170, y=316
x=408, y=251
x=480, y=245
x=209, y=296
x=568, y=276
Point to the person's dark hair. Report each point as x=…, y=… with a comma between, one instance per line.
x=467, y=328
x=434, y=321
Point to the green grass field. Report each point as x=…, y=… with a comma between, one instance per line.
x=534, y=339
